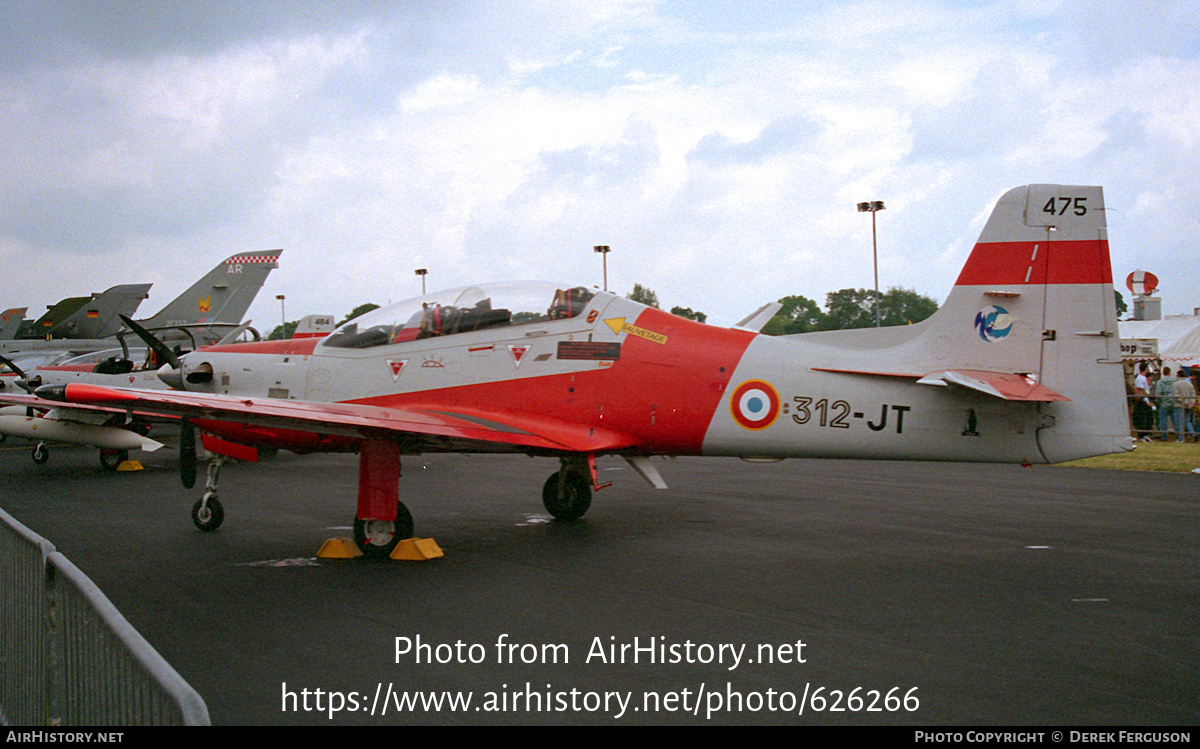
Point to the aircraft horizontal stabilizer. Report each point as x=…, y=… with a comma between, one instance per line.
x=867, y=373
x=1006, y=386
x=1010, y=387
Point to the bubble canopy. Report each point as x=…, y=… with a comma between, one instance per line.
x=462, y=310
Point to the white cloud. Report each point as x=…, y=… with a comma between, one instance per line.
x=504, y=141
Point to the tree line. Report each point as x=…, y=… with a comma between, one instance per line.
x=844, y=309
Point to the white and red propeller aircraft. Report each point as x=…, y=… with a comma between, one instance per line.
x=1021, y=364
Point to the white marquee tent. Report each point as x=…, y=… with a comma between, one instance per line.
x=1178, y=337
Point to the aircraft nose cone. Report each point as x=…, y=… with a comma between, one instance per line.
x=52, y=392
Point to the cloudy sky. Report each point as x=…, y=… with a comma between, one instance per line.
x=719, y=148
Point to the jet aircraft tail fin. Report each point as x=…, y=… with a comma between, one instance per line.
x=95, y=316
x=222, y=296
x=10, y=322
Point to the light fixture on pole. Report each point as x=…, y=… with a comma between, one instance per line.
x=422, y=272
x=872, y=207
x=282, y=314
x=603, y=249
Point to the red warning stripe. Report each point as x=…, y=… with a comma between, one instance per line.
x=1015, y=263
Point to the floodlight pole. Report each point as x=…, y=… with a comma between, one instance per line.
x=422, y=272
x=604, y=249
x=872, y=207
x=282, y=312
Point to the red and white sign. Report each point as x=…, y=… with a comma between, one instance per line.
x=518, y=353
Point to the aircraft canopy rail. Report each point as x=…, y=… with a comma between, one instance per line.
x=462, y=310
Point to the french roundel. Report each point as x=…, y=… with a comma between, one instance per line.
x=755, y=404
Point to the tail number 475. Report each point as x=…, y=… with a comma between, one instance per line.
x=1060, y=206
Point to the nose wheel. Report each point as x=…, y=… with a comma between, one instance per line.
x=567, y=494
x=207, y=513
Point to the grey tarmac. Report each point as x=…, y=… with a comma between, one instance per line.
x=1003, y=595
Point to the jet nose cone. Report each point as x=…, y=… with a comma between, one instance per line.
x=52, y=392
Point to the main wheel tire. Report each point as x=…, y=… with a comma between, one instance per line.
x=40, y=453
x=575, y=500
x=208, y=516
x=110, y=460
x=377, y=538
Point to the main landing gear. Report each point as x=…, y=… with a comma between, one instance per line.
x=381, y=521
x=379, y=537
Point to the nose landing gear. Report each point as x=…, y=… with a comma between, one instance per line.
x=207, y=513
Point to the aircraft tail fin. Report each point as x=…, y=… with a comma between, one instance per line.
x=1031, y=320
x=222, y=296
x=10, y=322
x=314, y=326
x=1036, y=299
x=97, y=316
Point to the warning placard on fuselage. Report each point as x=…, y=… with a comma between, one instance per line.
x=600, y=350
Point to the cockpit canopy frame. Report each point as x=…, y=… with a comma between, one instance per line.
x=461, y=310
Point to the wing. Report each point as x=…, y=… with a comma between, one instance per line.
x=440, y=426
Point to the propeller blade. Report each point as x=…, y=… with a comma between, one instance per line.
x=159, y=348
x=187, y=454
x=22, y=380
x=8, y=363
x=232, y=336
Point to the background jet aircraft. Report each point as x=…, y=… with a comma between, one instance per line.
x=96, y=316
x=137, y=367
x=118, y=367
x=1021, y=364
x=113, y=431
x=84, y=320
x=10, y=322
x=205, y=312
x=201, y=315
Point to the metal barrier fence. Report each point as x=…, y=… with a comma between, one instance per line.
x=67, y=656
